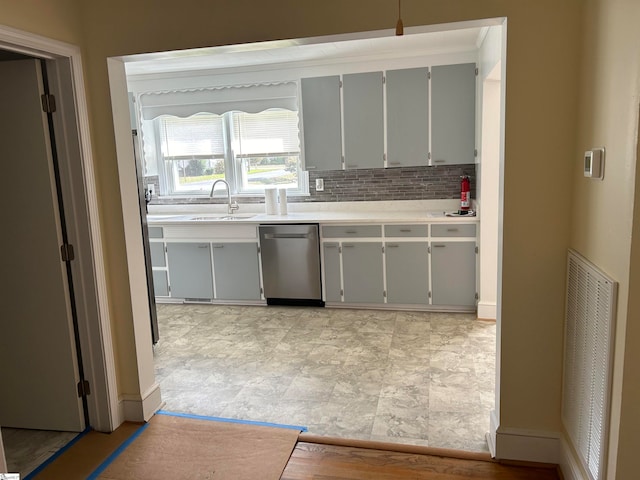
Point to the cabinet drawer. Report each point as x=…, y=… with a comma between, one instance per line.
x=453, y=230
x=405, y=230
x=351, y=231
x=155, y=232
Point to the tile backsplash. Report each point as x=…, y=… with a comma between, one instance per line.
x=408, y=183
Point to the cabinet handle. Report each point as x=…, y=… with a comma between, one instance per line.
x=395, y=163
x=218, y=246
x=392, y=245
x=405, y=230
x=439, y=246
x=310, y=167
x=452, y=229
x=439, y=161
x=203, y=246
x=330, y=246
x=345, y=245
x=351, y=232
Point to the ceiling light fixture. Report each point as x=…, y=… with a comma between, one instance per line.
x=399, y=26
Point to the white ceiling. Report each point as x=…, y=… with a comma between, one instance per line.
x=315, y=50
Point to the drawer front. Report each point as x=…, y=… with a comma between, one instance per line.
x=405, y=230
x=351, y=231
x=155, y=232
x=453, y=230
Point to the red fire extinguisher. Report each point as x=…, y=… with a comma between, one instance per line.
x=465, y=194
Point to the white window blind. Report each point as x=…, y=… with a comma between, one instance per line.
x=272, y=132
x=200, y=135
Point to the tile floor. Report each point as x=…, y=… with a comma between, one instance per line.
x=25, y=450
x=410, y=377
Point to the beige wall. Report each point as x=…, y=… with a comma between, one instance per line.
x=542, y=51
x=541, y=157
x=603, y=211
x=58, y=19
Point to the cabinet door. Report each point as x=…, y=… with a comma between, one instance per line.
x=363, y=120
x=160, y=283
x=453, y=114
x=362, y=272
x=407, y=117
x=322, y=128
x=190, y=270
x=407, y=272
x=332, y=282
x=157, y=254
x=236, y=270
x=453, y=273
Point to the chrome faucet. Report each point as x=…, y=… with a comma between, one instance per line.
x=232, y=206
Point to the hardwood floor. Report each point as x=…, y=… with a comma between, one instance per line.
x=328, y=462
x=316, y=461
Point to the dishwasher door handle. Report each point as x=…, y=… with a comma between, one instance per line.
x=275, y=236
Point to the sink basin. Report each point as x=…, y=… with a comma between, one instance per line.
x=215, y=218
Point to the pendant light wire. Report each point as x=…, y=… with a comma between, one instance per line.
x=399, y=25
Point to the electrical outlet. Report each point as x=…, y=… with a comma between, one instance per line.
x=319, y=184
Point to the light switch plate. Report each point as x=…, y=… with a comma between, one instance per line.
x=319, y=185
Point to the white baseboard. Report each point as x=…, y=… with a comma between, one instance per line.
x=569, y=465
x=491, y=435
x=487, y=311
x=134, y=408
x=527, y=445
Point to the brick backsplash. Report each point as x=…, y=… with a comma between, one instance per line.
x=408, y=183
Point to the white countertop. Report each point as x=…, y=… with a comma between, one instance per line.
x=317, y=212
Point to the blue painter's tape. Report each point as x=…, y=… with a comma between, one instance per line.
x=53, y=457
x=103, y=466
x=232, y=420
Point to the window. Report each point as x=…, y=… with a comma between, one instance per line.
x=247, y=134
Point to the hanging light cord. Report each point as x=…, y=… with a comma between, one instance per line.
x=399, y=26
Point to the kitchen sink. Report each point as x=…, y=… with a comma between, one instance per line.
x=214, y=218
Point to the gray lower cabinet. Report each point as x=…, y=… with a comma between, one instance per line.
x=321, y=123
x=453, y=114
x=160, y=283
x=362, y=271
x=237, y=275
x=331, y=264
x=157, y=254
x=453, y=273
x=363, y=120
x=407, y=265
x=190, y=270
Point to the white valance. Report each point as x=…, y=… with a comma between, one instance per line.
x=218, y=100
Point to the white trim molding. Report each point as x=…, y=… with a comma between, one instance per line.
x=140, y=408
x=487, y=310
x=569, y=464
x=527, y=445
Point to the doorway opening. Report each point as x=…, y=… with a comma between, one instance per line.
x=146, y=67
x=54, y=343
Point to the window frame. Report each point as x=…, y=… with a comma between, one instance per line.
x=232, y=167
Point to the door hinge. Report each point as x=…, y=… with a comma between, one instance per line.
x=429, y=294
x=342, y=293
x=477, y=71
x=383, y=249
x=261, y=291
x=384, y=294
x=48, y=103
x=429, y=249
x=476, y=296
x=83, y=388
x=384, y=79
x=340, y=249
x=66, y=252
x=475, y=152
x=429, y=74
x=258, y=248
x=476, y=249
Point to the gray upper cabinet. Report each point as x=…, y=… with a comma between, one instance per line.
x=363, y=120
x=362, y=269
x=321, y=122
x=453, y=104
x=407, y=117
x=190, y=270
x=407, y=272
x=453, y=273
x=236, y=271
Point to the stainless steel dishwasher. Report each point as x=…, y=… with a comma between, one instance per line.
x=291, y=264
